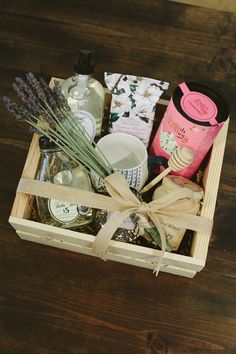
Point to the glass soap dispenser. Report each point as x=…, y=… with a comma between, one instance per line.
x=85, y=95
x=55, y=167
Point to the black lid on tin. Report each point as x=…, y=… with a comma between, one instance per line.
x=46, y=144
x=205, y=106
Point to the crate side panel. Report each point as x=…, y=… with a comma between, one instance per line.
x=118, y=258
x=22, y=203
x=211, y=181
x=147, y=255
x=53, y=242
x=44, y=230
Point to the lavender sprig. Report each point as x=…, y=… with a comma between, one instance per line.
x=49, y=93
x=47, y=112
x=19, y=111
x=34, y=83
x=59, y=97
x=28, y=96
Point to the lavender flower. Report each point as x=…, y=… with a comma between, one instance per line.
x=36, y=86
x=48, y=92
x=19, y=111
x=20, y=92
x=27, y=95
x=34, y=130
x=25, y=88
x=59, y=97
x=48, y=113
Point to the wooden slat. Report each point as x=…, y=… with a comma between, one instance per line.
x=221, y=5
x=59, y=243
x=212, y=179
x=22, y=202
x=148, y=256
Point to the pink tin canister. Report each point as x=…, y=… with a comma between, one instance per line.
x=193, y=118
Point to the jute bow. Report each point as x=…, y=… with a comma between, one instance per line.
x=156, y=210
x=123, y=200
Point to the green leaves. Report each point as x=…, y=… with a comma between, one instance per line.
x=133, y=88
x=117, y=91
x=113, y=118
x=144, y=119
x=156, y=239
x=133, y=103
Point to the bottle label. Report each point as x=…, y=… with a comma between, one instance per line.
x=87, y=121
x=128, y=223
x=65, y=212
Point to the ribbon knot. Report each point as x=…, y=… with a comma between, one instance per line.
x=144, y=208
x=158, y=211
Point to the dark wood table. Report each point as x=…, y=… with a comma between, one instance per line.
x=55, y=301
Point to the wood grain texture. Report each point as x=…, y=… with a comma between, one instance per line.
x=58, y=302
x=222, y=5
x=22, y=205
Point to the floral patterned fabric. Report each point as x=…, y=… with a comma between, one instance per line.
x=133, y=104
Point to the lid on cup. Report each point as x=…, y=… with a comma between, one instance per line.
x=200, y=104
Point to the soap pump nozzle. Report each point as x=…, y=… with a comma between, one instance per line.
x=84, y=65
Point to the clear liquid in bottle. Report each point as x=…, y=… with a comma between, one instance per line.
x=56, y=168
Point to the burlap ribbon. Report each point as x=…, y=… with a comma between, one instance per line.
x=123, y=200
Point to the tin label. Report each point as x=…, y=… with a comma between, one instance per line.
x=198, y=106
x=62, y=211
x=65, y=212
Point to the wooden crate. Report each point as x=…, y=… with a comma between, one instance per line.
x=136, y=255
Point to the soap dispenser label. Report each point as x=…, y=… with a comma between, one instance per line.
x=87, y=121
x=82, y=119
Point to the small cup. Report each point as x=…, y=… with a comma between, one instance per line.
x=127, y=155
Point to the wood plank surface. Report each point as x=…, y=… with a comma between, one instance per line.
x=58, y=302
x=222, y=5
